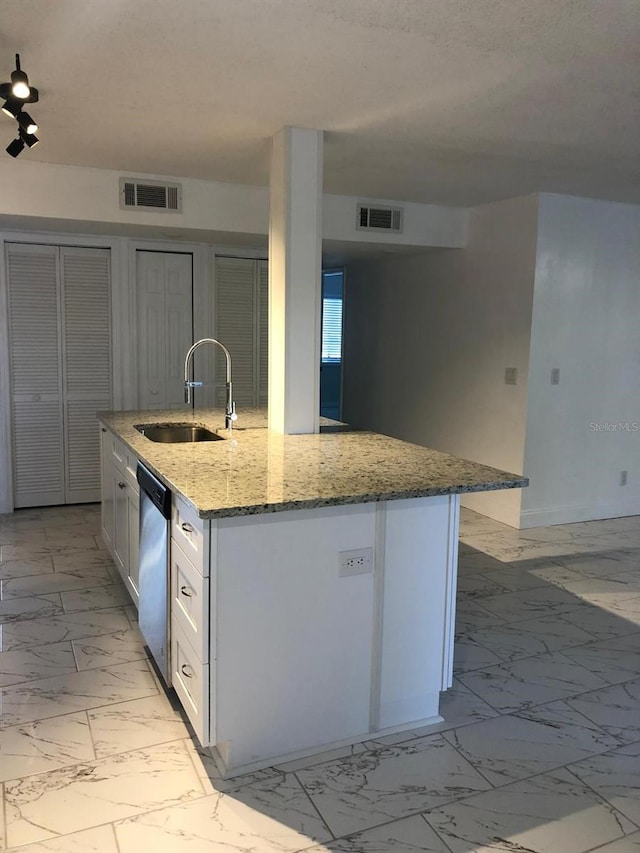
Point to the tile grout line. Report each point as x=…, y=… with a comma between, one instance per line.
x=436, y=833
x=115, y=836
x=4, y=814
x=313, y=805
x=601, y=797
x=91, y=738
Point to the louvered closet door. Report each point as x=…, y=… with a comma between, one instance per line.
x=36, y=376
x=241, y=320
x=86, y=312
x=263, y=332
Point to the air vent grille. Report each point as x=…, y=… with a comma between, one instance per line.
x=146, y=195
x=379, y=218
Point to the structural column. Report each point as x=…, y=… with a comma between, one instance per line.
x=295, y=260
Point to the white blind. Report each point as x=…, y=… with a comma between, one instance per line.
x=331, y=329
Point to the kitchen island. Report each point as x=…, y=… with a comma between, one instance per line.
x=312, y=581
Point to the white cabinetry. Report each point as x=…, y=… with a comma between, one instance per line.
x=277, y=654
x=120, y=508
x=192, y=638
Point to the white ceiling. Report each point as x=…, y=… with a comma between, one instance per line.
x=443, y=101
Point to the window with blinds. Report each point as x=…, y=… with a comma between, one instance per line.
x=60, y=362
x=331, y=330
x=241, y=324
x=332, y=292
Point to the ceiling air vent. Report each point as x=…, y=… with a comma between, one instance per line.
x=147, y=195
x=379, y=218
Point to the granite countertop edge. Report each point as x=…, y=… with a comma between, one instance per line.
x=480, y=478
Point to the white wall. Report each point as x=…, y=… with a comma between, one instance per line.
x=427, y=340
x=48, y=191
x=423, y=224
x=47, y=197
x=586, y=322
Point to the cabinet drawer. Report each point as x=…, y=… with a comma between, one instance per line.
x=190, y=601
x=188, y=530
x=190, y=679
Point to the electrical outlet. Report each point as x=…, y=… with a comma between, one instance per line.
x=358, y=562
x=511, y=376
x=555, y=376
x=623, y=478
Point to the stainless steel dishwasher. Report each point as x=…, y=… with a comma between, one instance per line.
x=153, y=607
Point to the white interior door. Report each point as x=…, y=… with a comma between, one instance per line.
x=164, y=283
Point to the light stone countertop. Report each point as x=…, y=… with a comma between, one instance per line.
x=257, y=471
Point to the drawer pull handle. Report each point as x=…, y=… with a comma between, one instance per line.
x=186, y=670
x=185, y=590
x=122, y=485
x=188, y=528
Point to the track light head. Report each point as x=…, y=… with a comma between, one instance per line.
x=16, y=147
x=15, y=95
x=29, y=139
x=12, y=107
x=19, y=82
x=26, y=122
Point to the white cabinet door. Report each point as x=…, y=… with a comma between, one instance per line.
x=121, y=527
x=164, y=327
x=107, y=496
x=133, y=511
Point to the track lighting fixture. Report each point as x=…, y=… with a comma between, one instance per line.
x=14, y=148
x=12, y=107
x=19, y=86
x=20, y=82
x=29, y=138
x=16, y=94
x=26, y=122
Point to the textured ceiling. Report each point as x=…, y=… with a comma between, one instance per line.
x=443, y=101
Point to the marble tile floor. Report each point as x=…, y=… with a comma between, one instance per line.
x=539, y=751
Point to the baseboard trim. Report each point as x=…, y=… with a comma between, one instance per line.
x=571, y=513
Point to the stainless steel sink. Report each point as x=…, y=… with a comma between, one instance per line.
x=177, y=433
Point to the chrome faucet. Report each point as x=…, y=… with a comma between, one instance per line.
x=230, y=408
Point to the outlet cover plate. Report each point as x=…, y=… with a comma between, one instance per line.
x=358, y=562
